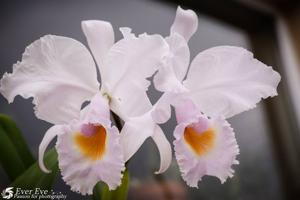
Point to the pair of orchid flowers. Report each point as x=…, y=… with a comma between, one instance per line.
x=60, y=74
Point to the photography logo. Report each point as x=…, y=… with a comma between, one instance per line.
x=37, y=193
x=7, y=193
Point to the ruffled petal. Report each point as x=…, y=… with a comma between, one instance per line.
x=227, y=80
x=100, y=37
x=59, y=73
x=90, y=151
x=126, y=32
x=129, y=62
x=185, y=23
x=205, y=147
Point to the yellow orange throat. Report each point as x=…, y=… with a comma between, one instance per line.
x=93, y=147
x=200, y=143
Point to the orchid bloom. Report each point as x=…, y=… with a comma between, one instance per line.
x=222, y=82
x=60, y=74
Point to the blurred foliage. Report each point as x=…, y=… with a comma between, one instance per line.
x=18, y=162
x=10, y=159
x=33, y=177
x=16, y=138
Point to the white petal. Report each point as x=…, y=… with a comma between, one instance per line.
x=166, y=81
x=129, y=62
x=227, y=80
x=48, y=137
x=212, y=154
x=185, y=23
x=58, y=72
x=97, y=111
x=170, y=75
x=137, y=130
x=125, y=101
x=161, y=111
x=82, y=164
x=134, y=133
x=100, y=37
x=180, y=55
x=186, y=111
x=126, y=32
x=164, y=149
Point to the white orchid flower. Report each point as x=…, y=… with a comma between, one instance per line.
x=131, y=135
x=137, y=129
x=60, y=74
x=221, y=82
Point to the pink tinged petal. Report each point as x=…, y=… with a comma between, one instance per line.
x=58, y=72
x=202, y=124
x=100, y=37
x=81, y=171
x=209, y=152
x=48, y=137
x=185, y=23
x=129, y=62
x=88, y=129
x=161, y=111
x=226, y=153
x=186, y=111
x=164, y=149
x=97, y=111
x=227, y=80
x=90, y=151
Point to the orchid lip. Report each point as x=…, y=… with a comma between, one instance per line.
x=201, y=143
x=91, y=141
